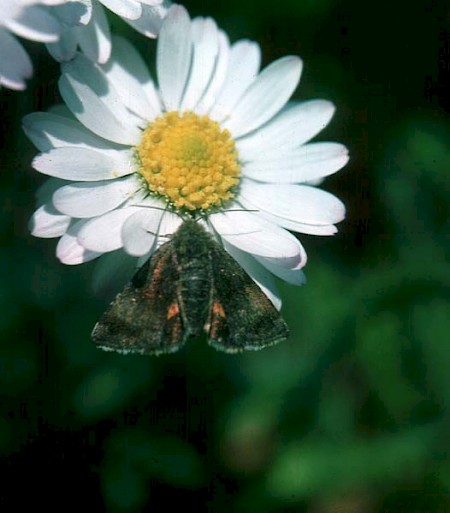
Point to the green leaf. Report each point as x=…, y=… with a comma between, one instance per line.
x=319, y=468
x=133, y=458
x=109, y=386
x=379, y=347
x=431, y=327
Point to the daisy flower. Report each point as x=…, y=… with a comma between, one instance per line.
x=216, y=140
x=93, y=35
x=36, y=20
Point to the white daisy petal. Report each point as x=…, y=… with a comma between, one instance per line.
x=324, y=230
x=147, y=201
x=309, y=162
x=162, y=223
x=73, y=13
x=270, y=291
x=82, y=69
x=292, y=127
x=254, y=235
x=60, y=109
x=95, y=103
x=34, y=23
x=149, y=24
x=129, y=9
x=294, y=226
x=69, y=251
x=151, y=2
x=315, y=182
x=243, y=67
x=47, y=222
x=169, y=224
x=95, y=37
x=286, y=263
x=15, y=65
x=127, y=71
x=65, y=48
x=46, y=21
x=104, y=233
x=265, y=96
x=205, y=39
x=220, y=69
x=301, y=203
x=153, y=97
x=174, y=56
x=257, y=272
x=117, y=264
x=78, y=164
x=55, y=2
x=139, y=232
x=94, y=199
x=47, y=130
x=294, y=276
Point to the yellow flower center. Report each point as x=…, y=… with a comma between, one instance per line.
x=189, y=161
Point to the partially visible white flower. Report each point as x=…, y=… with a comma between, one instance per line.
x=216, y=140
x=93, y=35
x=36, y=20
x=150, y=21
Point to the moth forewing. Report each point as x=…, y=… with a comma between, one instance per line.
x=189, y=285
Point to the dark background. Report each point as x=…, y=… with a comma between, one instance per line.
x=350, y=414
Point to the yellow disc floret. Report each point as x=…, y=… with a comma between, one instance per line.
x=189, y=161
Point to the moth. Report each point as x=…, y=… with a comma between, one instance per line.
x=188, y=286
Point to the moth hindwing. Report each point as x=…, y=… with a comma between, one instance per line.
x=189, y=285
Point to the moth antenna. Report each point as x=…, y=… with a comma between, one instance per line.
x=241, y=210
x=152, y=206
x=158, y=234
x=216, y=235
x=164, y=209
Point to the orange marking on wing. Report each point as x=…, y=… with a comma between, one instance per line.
x=175, y=332
x=155, y=282
x=217, y=309
x=173, y=311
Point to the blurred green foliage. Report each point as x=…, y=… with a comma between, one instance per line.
x=352, y=413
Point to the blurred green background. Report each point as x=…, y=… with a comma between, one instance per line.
x=351, y=414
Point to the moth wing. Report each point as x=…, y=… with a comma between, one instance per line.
x=241, y=315
x=145, y=317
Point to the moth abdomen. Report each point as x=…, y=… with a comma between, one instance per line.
x=195, y=291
